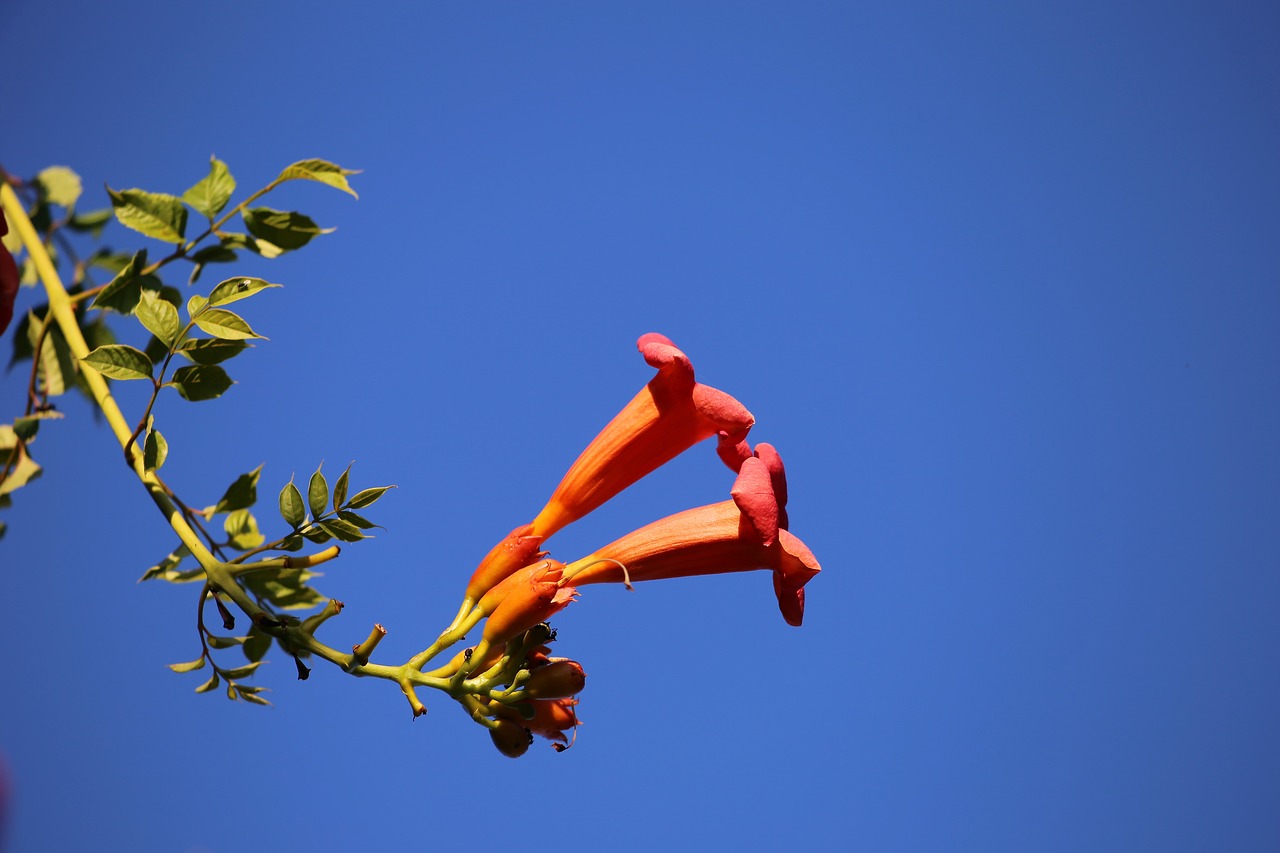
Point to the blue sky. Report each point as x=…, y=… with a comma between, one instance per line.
x=1000, y=282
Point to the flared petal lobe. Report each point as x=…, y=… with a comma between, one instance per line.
x=669, y=415
x=737, y=535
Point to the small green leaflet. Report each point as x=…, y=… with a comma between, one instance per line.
x=119, y=362
x=322, y=171
x=234, y=289
x=211, y=350
x=224, y=324
x=317, y=494
x=291, y=508
x=155, y=451
x=158, y=316
x=157, y=215
x=198, y=382
x=212, y=192
x=283, y=229
x=122, y=293
x=61, y=186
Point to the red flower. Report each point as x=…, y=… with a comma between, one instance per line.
x=8, y=280
x=669, y=415
x=732, y=536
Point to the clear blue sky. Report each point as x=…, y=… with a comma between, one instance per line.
x=1001, y=281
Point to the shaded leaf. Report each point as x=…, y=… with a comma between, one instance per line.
x=22, y=470
x=292, y=542
x=209, y=255
x=93, y=221
x=119, y=361
x=343, y=530
x=316, y=534
x=283, y=229
x=157, y=215
x=224, y=642
x=356, y=519
x=241, y=494
x=291, y=508
x=322, y=171
x=340, y=488
x=224, y=324
x=366, y=497
x=256, y=644
x=317, y=493
x=286, y=588
x=212, y=192
x=199, y=382
x=155, y=451
x=211, y=351
x=123, y=291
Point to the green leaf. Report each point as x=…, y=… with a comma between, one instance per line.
x=49, y=368
x=356, y=519
x=256, y=644
x=317, y=493
x=343, y=530
x=119, y=362
x=158, y=317
x=21, y=470
x=322, y=171
x=198, y=382
x=211, y=684
x=242, y=527
x=242, y=671
x=225, y=642
x=92, y=222
x=26, y=428
x=340, y=489
x=156, y=215
x=285, y=230
x=251, y=698
x=366, y=497
x=209, y=255
x=165, y=568
x=196, y=305
x=315, y=534
x=241, y=494
x=189, y=666
x=225, y=324
x=212, y=192
x=60, y=185
x=123, y=292
x=234, y=289
x=285, y=589
x=291, y=509
x=292, y=542
x=211, y=351
x=155, y=451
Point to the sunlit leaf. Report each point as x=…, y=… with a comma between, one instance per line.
x=242, y=671
x=22, y=469
x=50, y=368
x=197, y=382
x=212, y=192
x=195, y=305
x=234, y=289
x=119, y=361
x=189, y=666
x=157, y=316
x=366, y=497
x=60, y=185
x=224, y=642
x=224, y=324
x=157, y=215
x=211, y=684
x=322, y=171
x=242, y=527
x=166, y=566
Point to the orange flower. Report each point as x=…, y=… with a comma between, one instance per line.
x=559, y=679
x=669, y=415
x=732, y=536
x=524, y=599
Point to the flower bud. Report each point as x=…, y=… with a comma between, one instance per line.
x=511, y=738
x=559, y=679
